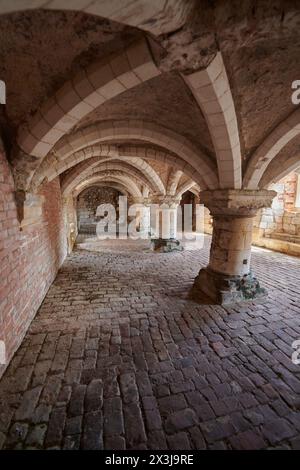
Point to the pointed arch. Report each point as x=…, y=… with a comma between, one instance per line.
x=195, y=162
x=105, y=167
x=127, y=182
x=212, y=92
x=269, y=149
x=78, y=97
x=137, y=163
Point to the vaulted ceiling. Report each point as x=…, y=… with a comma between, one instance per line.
x=208, y=84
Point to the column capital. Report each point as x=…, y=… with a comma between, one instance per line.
x=170, y=201
x=140, y=200
x=236, y=202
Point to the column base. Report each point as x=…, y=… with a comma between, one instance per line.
x=225, y=289
x=162, y=245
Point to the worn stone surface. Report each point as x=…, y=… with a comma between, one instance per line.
x=166, y=372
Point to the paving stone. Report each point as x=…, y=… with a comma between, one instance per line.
x=124, y=360
x=197, y=438
x=94, y=395
x=28, y=404
x=247, y=440
x=73, y=425
x=277, y=430
x=179, y=441
x=51, y=390
x=115, y=443
x=217, y=430
x=2, y=439
x=36, y=436
x=129, y=388
x=181, y=420
x=153, y=419
x=144, y=384
x=93, y=431
x=72, y=442
x=17, y=434
x=41, y=414
x=157, y=440
x=134, y=425
x=76, y=405
x=295, y=443
x=172, y=403
x=55, y=428
x=113, y=417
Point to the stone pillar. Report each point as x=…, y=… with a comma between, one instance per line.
x=228, y=277
x=165, y=239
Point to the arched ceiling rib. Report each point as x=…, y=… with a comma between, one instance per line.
x=127, y=181
x=109, y=168
x=197, y=164
x=156, y=17
x=86, y=91
x=269, y=149
x=101, y=184
x=243, y=82
x=85, y=167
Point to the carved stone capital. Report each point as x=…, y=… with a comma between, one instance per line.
x=236, y=202
x=166, y=201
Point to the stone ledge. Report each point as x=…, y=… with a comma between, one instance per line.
x=282, y=246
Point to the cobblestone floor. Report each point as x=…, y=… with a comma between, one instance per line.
x=119, y=357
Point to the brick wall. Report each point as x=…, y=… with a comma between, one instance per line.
x=29, y=259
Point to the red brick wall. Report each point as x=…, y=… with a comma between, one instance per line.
x=29, y=259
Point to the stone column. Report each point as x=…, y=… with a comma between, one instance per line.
x=165, y=214
x=228, y=277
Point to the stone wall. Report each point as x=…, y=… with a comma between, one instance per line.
x=29, y=258
x=278, y=227
x=87, y=204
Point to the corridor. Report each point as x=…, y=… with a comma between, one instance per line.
x=142, y=120
x=118, y=357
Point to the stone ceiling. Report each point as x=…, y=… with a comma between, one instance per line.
x=40, y=50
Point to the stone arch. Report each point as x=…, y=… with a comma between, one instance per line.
x=127, y=182
x=269, y=149
x=196, y=163
x=106, y=167
x=188, y=186
x=93, y=86
x=118, y=186
x=51, y=167
x=173, y=181
x=156, y=17
x=212, y=92
x=278, y=169
x=87, y=165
